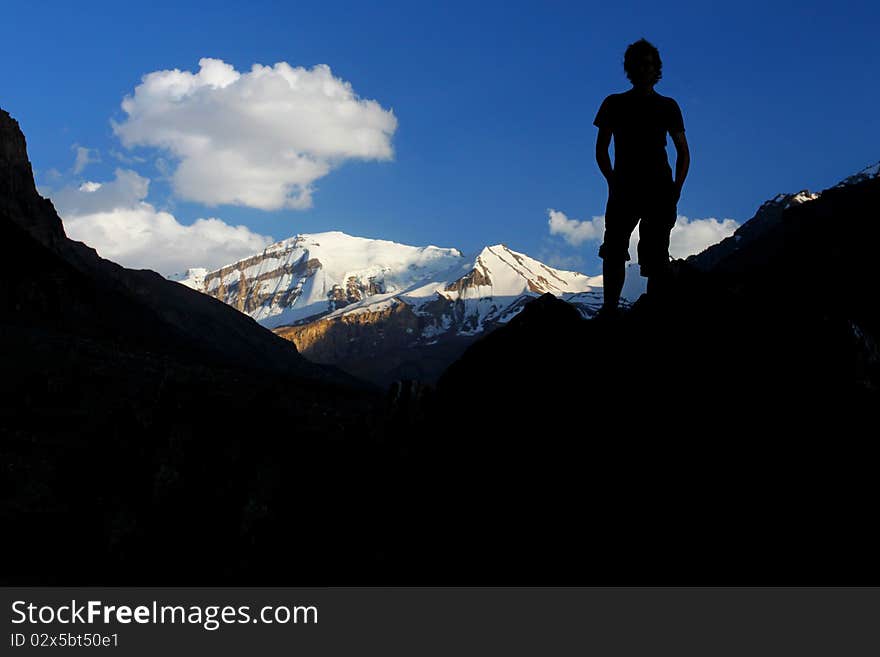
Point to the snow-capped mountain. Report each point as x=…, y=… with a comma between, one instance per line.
x=327, y=275
x=345, y=299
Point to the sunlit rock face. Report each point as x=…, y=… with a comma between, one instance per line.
x=385, y=310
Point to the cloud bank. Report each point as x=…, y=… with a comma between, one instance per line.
x=113, y=218
x=259, y=139
x=688, y=237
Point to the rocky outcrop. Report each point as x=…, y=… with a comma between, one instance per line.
x=355, y=290
x=19, y=201
x=476, y=277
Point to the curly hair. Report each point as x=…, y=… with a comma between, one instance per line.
x=635, y=51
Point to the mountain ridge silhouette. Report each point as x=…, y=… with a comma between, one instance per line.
x=715, y=434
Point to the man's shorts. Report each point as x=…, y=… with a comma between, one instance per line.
x=653, y=203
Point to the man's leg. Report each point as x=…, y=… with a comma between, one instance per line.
x=620, y=221
x=613, y=274
x=654, y=236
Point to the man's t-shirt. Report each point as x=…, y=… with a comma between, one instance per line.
x=639, y=124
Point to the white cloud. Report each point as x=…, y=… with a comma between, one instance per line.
x=126, y=190
x=688, y=237
x=573, y=231
x=113, y=218
x=259, y=139
x=691, y=236
x=84, y=157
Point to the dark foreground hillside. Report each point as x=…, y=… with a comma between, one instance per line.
x=719, y=434
x=150, y=434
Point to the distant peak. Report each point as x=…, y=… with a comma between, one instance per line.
x=787, y=200
x=497, y=250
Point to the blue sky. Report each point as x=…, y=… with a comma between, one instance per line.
x=487, y=107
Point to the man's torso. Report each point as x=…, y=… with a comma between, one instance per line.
x=639, y=124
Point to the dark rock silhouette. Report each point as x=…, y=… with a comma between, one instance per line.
x=713, y=435
x=817, y=257
x=718, y=432
x=152, y=434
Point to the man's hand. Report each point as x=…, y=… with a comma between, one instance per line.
x=682, y=162
x=603, y=159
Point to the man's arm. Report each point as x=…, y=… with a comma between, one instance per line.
x=603, y=159
x=682, y=161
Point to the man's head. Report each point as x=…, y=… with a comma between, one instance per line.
x=642, y=64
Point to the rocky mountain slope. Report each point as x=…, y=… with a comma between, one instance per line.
x=127, y=413
x=383, y=310
x=767, y=218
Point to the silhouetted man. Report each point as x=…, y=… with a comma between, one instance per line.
x=640, y=184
